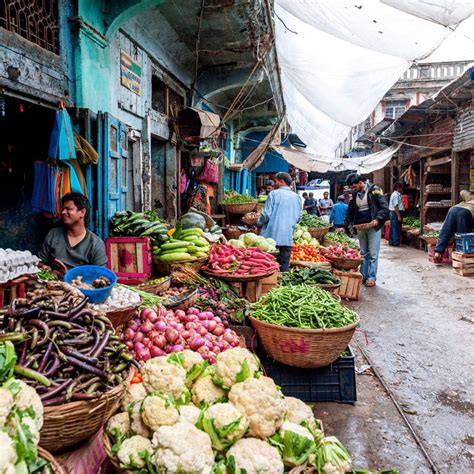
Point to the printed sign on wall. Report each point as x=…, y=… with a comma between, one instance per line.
x=130, y=73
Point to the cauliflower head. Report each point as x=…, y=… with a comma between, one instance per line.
x=6, y=405
x=137, y=426
x=182, y=448
x=298, y=412
x=132, y=449
x=27, y=397
x=119, y=423
x=235, y=365
x=7, y=453
x=158, y=411
x=190, y=358
x=162, y=376
x=225, y=424
x=206, y=391
x=189, y=413
x=261, y=402
x=255, y=456
x=192, y=363
x=296, y=443
x=133, y=393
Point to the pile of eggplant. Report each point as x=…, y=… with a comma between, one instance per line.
x=65, y=350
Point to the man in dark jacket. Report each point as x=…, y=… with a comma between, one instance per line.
x=368, y=206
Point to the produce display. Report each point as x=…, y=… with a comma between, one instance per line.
x=138, y=224
x=431, y=233
x=332, y=238
x=253, y=240
x=15, y=263
x=239, y=199
x=308, y=276
x=232, y=261
x=313, y=221
x=100, y=282
x=412, y=221
x=227, y=418
x=186, y=245
x=307, y=253
x=341, y=251
x=45, y=274
x=156, y=333
x=304, y=307
x=65, y=351
x=152, y=282
x=302, y=236
x=147, y=299
x=120, y=297
x=21, y=419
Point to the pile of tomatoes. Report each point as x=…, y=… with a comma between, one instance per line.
x=306, y=253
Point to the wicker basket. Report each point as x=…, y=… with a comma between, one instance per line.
x=187, y=299
x=239, y=208
x=430, y=240
x=299, y=263
x=250, y=221
x=231, y=232
x=121, y=317
x=259, y=207
x=328, y=286
x=158, y=288
x=366, y=226
x=321, y=346
x=113, y=460
x=342, y=263
x=69, y=424
x=55, y=467
x=318, y=232
x=167, y=268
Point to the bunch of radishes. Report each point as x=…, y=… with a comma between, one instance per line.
x=156, y=333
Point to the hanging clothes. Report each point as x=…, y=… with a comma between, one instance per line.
x=199, y=199
x=86, y=153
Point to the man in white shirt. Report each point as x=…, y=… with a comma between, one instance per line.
x=396, y=208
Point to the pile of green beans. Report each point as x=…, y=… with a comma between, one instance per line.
x=304, y=307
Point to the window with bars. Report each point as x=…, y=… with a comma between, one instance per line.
x=395, y=108
x=35, y=20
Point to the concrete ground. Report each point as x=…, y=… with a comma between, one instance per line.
x=419, y=321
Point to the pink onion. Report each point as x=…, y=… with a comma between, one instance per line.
x=159, y=341
x=219, y=330
x=217, y=319
x=190, y=326
x=171, y=335
x=229, y=337
x=146, y=341
x=137, y=346
x=177, y=348
x=220, y=345
x=216, y=349
x=147, y=326
x=144, y=354
x=133, y=325
x=185, y=335
x=129, y=334
x=211, y=325
x=156, y=351
x=196, y=343
x=161, y=326
x=211, y=359
x=139, y=336
x=202, y=331
x=206, y=314
x=173, y=324
x=180, y=314
x=129, y=344
x=193, y=311
x=203, y=350
x=225, y=345
x=192, y=317
x=180, y=327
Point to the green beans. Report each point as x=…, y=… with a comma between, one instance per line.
x=302, y=306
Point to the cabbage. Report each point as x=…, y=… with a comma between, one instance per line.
x=250, y=238
x=271, y=242
x=295, y=443
x=306, y=236
x=262, y=243
x=191, y=220
x=236, y=243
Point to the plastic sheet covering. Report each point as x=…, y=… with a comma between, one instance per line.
x=339, y=58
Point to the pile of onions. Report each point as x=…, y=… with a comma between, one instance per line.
x=157, y=333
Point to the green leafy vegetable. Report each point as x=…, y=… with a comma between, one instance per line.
x=7, y=361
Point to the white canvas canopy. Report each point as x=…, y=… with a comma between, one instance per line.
x=338, y=58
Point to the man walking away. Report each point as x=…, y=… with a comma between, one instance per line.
x=325, y=206
x=396, y=208
x=338, y=213
x=368, y=205
x=279, y=217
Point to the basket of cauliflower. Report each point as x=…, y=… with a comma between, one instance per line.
x=190, y=417
x=21, y=419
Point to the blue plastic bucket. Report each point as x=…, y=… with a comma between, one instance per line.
x=89, y=273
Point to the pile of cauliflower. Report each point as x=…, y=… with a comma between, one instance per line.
x=21, y=418
x=189, y=417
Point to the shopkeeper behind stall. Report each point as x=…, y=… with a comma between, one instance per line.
x=71, y=244
x=460, y=219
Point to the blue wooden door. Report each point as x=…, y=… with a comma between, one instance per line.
x=113, y=170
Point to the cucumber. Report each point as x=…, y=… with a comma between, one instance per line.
x=174, y=245
x=200, y=254
x=191, y=238
x=192, y=249
x=196, y=231
x=201, y=243
x=175, y=257
x=180, y=250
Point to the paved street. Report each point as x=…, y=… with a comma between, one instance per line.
x=420, y=324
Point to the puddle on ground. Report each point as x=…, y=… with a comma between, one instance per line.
x=451, y=399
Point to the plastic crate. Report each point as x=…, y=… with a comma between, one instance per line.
x=333, y=383
x=464, y=243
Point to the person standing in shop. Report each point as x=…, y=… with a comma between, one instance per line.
x=396, y=208
x=325, y=206
x=279, y=217
x=368, y=206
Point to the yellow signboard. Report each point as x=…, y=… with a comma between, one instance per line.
x=130, y=73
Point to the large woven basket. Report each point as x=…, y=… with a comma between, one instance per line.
x=250, y=221
x=113, y=460
x=300, y=263
x=318, y=232
x=231, y=232
x=55, y=467
x=259, y=207
x=239, y=208
x=342, y=263
x=305, y=348
x=158, y=288
x=185, y=300
x=168, y=268
x=121, y=317
x=366, y=226
x=328, y=286
x=430, y=240
x=70, y=423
